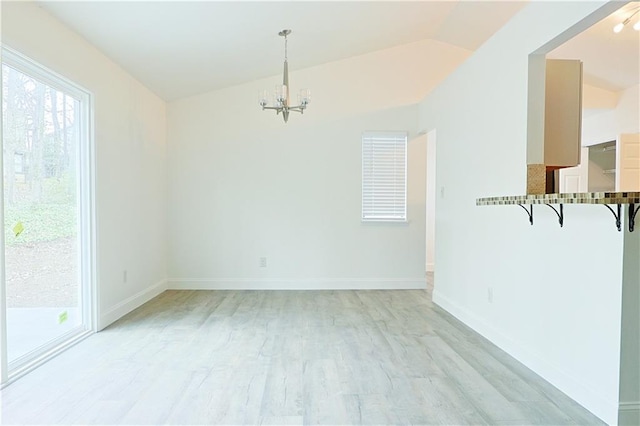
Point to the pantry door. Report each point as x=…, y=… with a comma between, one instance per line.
x=628, y=162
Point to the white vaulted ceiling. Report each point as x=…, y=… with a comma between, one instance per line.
x=182, y=48
x=611, y=61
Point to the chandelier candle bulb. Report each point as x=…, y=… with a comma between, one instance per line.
x=619, y=27
x=304, y=97
x=281, y=93
x=264, y=98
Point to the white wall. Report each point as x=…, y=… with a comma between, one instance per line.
x=556, y=291
x=130, y=137
x=244, y=185
x=606, y=125
x=598, y=98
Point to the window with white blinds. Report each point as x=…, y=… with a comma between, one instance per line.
x=384, y=176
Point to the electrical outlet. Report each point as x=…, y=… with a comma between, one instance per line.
x=263, y=262
x=124, y=276
x=490, y=294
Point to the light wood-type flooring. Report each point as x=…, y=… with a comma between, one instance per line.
x=287, y=357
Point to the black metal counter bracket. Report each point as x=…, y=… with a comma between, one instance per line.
x=633, y=210
x=560, y=214
x=618, y=216
x=529, y=212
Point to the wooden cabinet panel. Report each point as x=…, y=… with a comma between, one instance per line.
x=563, y=113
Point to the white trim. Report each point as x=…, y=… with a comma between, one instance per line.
x=92, y=221
x=87, y=208
x=571, y=386
x=301, y=284
x=129, y=304
x=45, y=356
x=629, y=413
x=430, y=267
x=42, y=73
x=4, y=359
x=629, y=406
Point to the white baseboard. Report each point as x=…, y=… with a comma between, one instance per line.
x=301, y=284
x=629, y=413
x=131, y=303
x=605, y=409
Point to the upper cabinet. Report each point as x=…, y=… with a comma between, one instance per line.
x=562, y=113
x=554, y=120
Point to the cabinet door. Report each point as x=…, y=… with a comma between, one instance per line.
x=574, y=179
x=628, y=162
x=562, y=112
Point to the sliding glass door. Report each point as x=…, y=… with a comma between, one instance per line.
x=47, y=212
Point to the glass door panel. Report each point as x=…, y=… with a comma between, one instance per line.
x=41, y=135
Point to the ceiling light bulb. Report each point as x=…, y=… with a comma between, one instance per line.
x=618, y=27
x=636, y=26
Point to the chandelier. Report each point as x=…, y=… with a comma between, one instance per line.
x=282, y=102
x=622, y=24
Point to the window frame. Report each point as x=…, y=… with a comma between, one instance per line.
x=373, y=214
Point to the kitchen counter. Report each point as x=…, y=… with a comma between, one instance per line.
x=568, y=198
x=602, y=198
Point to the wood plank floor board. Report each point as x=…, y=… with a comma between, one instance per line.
x=281, y=421
x=101, y=412
x=546, y=413
x=322, y=399
x=283, y=391
x=412, y=360
x=509, y=376
x=444, y=403
x=373, y=410
x=501, y=377
x=491, y=403
x=287, y=357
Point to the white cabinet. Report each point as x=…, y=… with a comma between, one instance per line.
x=605, y=167
x=628, y=162
x=575, y=179
x=602, y=167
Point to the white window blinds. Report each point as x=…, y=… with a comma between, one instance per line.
x=384, y=176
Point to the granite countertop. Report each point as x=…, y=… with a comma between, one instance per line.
x=567, y=198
